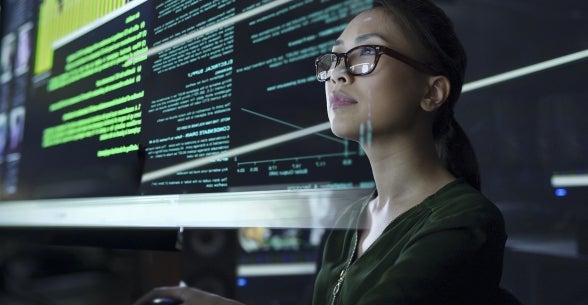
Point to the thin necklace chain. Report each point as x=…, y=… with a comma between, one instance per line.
x=343, y=273
x=337, y=287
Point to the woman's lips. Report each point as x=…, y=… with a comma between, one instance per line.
x=340, y=100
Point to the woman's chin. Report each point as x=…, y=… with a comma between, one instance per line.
x=345, y=132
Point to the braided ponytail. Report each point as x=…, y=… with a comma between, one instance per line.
x=457, y=153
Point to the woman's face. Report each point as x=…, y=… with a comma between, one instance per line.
x=384, y=102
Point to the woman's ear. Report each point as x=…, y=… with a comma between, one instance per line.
x=438, y=91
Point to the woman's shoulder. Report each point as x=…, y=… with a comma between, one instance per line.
x=460, y=202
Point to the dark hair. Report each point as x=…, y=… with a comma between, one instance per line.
x=434, y=31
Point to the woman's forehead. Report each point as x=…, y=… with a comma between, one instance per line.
x=372, y=24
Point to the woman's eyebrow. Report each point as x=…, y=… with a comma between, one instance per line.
x=367, y=36
x=362, y=38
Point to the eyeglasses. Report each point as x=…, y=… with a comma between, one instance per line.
x=362, y=60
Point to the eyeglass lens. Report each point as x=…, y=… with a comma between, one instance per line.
x=358, y=61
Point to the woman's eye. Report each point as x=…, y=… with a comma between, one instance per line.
x=368, y=51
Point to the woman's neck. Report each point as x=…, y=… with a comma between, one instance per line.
x=405, y=175
x=406, y=172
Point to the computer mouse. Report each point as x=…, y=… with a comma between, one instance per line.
x=165, y=301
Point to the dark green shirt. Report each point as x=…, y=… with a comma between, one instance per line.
x=446, y=250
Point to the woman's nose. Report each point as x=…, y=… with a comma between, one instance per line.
x=340, y=74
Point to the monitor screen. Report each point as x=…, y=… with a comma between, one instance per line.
x=104, y=117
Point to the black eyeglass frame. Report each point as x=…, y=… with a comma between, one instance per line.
x=421, y=66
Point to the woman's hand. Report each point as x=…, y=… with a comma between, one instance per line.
x=184, y=295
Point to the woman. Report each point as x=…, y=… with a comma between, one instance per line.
x=426, y=235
